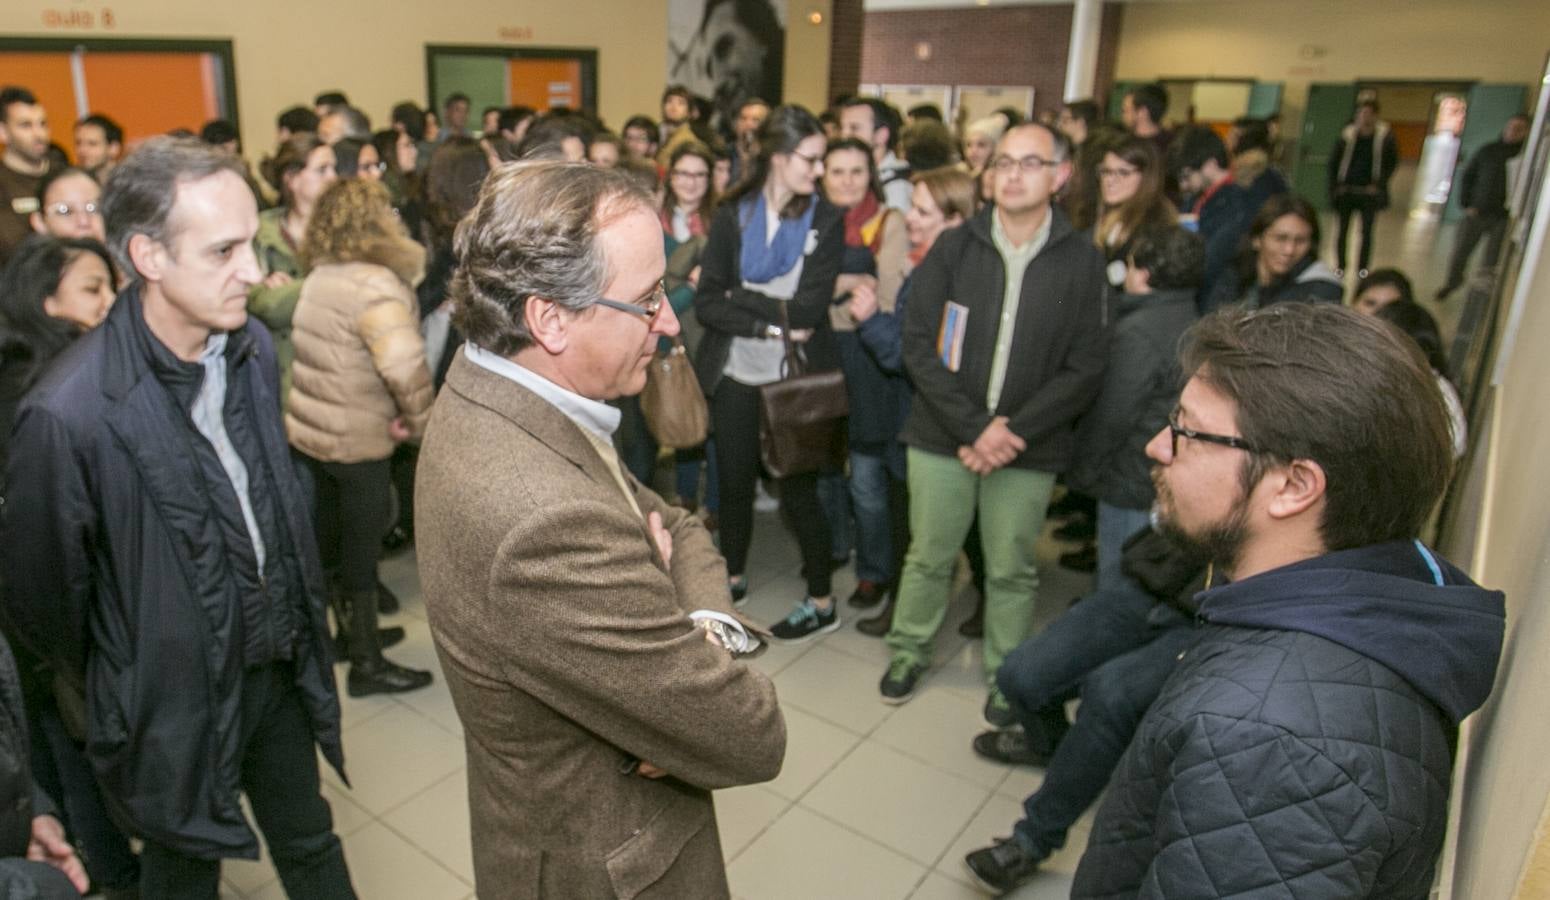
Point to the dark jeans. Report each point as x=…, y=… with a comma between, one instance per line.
x=735, y=411
x=1471, y=230
x=280, y=777
x=1365, y=205
x=636, y=447
x=1114, y=650
x=352, y=512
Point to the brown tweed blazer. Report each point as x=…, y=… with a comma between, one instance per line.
x=568, y=652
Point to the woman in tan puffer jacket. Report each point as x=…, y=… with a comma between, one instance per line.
x=359, y=387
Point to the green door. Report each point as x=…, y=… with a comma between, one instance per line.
x=1328, y=110
x=1490, y=106
x=482, y=78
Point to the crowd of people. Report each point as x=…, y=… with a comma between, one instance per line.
x=215, y=390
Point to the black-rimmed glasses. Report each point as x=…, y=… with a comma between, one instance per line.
x=647, y=308
x=1028, y=164
x=1175, y=430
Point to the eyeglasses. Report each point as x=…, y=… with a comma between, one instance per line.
x=1117, y=172
x=647, y=309
x=1175, y=430
x=1028, y=164
x=810, y=160
x=65, y=210
x=692, y=176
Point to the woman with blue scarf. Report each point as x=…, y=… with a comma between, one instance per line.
x=774, y=242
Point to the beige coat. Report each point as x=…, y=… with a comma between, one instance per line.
x=360, y=360
x=566, y=645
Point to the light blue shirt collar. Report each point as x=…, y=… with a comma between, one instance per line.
x=598, y=418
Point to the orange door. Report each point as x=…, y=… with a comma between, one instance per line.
x=545, y=83
x=47, y=75
x=153, y=93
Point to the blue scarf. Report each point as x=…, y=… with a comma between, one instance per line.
x=763, y=260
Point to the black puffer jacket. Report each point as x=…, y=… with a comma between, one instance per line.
x=1140, y=387
x=118, y=573
x=1303, y=747
x=1059, y=343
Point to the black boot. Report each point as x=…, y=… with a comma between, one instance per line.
x=370, y=673
x=878, y=625
x=386, y=637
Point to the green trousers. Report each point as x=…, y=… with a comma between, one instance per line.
x=944, y=497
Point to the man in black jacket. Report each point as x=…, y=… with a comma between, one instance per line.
x=1483, y=189
x=1304, y=744
x=158, y=551
x=1004, y=341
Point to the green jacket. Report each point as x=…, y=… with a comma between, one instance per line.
x=275, y=306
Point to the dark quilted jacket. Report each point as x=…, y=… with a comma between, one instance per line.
x=1303, y=746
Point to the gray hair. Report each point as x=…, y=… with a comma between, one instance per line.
x=533, y=233
x=141, y=190
x=1062, y=144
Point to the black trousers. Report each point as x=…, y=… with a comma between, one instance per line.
x=1347, y=205
x=352, y=512
x=734, y=410
x=1471, y=229
x=280, y=779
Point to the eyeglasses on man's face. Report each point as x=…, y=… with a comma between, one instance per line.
x=1176, y=431
x=1029, y=165
x=648, y=307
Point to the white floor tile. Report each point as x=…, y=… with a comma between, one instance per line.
x=907, y=805
x=803, y=855
x=395, y=755
x=836, y=687
x=813, y=748
x=743, y=813
x=386, y=867
x=937, y=727
x=436, y=821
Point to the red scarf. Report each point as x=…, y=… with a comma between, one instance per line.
x=696, y=224
x=856, y=217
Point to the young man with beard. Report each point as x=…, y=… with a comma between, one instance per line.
x=24, y=131
x=1304, y=744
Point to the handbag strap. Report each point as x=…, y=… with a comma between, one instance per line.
x=795, y=362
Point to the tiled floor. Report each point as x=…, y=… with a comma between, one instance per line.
x=874, y=801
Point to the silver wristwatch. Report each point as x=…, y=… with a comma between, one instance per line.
x=774, y=332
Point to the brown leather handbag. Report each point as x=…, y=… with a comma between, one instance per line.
x=802, y=417
x=673, y=404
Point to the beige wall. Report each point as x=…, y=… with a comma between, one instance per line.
x=1505, y=780
x=288, y=50
x=1335, y=40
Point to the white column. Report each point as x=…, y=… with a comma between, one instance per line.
x=1082, y=60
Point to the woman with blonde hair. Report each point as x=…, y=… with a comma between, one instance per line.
x=360, y=387
x=1130, y=190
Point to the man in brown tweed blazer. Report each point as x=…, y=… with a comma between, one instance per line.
x=598, y=716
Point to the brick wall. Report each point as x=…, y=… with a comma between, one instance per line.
x=1024, y=46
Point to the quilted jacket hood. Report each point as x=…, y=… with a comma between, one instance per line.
x=1397, y=603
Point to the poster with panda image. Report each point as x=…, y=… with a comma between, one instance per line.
x=727, y=51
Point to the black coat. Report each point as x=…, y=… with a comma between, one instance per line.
x=1059, y=345
x=1483, y=184
x=1140, y=388
x=1304, y=744
x=729, y=310
x=20, y=798
x=119, y=577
